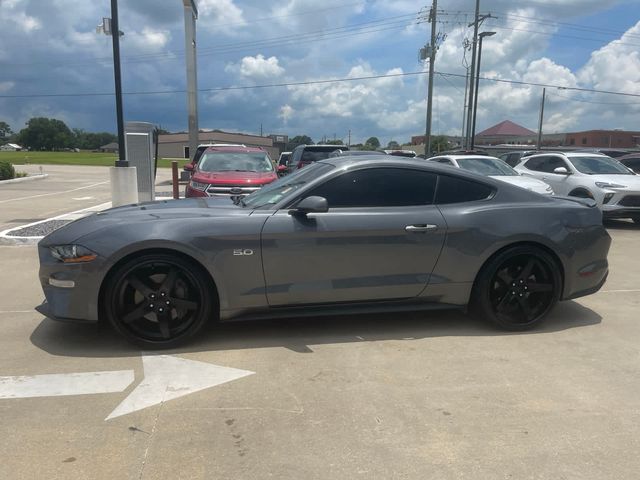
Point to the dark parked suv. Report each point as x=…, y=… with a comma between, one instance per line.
x=305, y=154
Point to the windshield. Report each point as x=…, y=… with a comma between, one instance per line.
x=486, y=166
x=276, y=191
x=235, y=161
x=599, y=166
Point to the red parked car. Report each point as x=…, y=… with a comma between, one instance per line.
x=233, y=171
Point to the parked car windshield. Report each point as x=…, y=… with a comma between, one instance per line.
x=313, y=154
x=235, y=161
x=599, y=166
x=486, y=166
x=276, y=191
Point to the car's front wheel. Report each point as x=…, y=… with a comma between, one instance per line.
x=158, y=300
x=517, y=288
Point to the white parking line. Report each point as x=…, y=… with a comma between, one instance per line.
x=53, y=193
x=17, y=311
x=619, y=291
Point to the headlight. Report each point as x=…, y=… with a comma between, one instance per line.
x=72, y=253
x=609, y=185
x=198, y=186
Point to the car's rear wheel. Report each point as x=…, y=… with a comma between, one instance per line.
x=518, y=287
x=158, y=300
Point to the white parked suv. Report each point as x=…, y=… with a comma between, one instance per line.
x=613, y=186
x=495, y=168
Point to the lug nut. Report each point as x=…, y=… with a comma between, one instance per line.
x=151, y=305
x=162, y=294
x=152, y=296
x=168, y=302
x=162, y=309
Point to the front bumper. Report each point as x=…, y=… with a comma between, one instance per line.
x=78, y=303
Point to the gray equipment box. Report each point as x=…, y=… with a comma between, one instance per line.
x=140, y=148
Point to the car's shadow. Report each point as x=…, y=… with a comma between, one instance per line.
x=300, y=335
x=620, y=224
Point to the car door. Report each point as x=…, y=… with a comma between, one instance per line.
x=379, y=240
x=560, y=182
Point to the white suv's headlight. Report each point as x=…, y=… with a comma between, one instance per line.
x=198, y=186
x=609, y=185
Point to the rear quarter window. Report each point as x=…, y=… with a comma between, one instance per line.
x=459, y=190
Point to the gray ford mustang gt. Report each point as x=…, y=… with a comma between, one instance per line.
x=343, y=235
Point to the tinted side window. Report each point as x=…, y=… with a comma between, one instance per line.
x=536, y=164
x=554, y=162
x=458, y=190
x=378, y=187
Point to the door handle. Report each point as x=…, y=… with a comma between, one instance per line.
x=420, y=228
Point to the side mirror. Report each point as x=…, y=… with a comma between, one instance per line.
x=189, y=167
x=561, y=170
x=310, y=205
x=282, y=169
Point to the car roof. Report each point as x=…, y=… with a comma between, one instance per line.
x=395, y=162
x=234, y=148
x=464, y=157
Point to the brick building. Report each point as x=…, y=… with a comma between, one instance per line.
x=603, y=138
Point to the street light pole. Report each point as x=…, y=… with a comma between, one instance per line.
x=473, y=70
x=475, y=98
x=432, y=60
x=190, y=17
x=115, y=37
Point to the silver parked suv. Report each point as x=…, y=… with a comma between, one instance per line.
x=614, y=187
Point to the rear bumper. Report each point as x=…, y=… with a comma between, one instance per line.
x=590, y=290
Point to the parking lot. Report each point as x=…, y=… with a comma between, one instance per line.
x=436, y=395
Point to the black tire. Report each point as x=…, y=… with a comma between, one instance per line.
x=636, y=219
x=517, y=288
x=159, y=300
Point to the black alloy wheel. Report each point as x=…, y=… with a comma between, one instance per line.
x=517, y=288
x=158, y=300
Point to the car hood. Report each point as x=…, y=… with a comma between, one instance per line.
x=145, y=212
x=234, y=178
x=529, y=183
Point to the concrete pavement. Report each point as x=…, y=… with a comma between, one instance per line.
x=422, y=395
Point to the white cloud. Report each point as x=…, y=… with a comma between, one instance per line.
x=257, y=67
x=221, y=14
x=286, y=111
x=6, y=86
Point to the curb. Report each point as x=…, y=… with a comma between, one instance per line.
x=6, y=239
x=30, y=178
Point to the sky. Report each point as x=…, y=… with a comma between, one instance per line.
x=53, y=63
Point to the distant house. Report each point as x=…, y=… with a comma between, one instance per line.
x=109, y=148
x=10, y=147
x=506, y=132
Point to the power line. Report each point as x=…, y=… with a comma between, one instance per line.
x=334, y=80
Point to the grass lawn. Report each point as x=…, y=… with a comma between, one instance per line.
x=70, y=158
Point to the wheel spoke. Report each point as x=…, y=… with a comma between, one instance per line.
x=526, y=271
x=506, y=300
x=184, y=304
x=133, y=315
x=163, y=323
x=524, y=306
x=137, y=283
x=539, y=287
x=169, y=281
x=504, y=277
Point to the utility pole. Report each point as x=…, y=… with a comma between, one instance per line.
x=349, y=144
x=464, y=110
x=115, y=40
x=190, y=17
x=432, y=59
x=476, y=24
x=544, y=90
x=475, y=99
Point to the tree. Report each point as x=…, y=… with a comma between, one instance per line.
x=372, y=143
x=393, y=145
x=334, y=142
x=298, y=140
x=46, y=134
x=439, y=143
x=91, y=141
x=5, y=131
